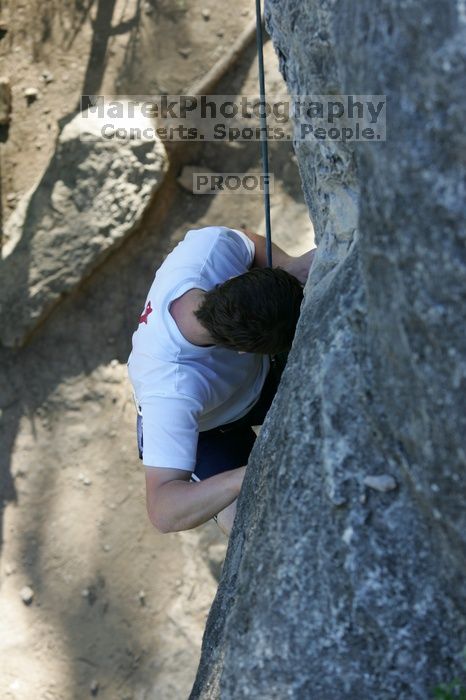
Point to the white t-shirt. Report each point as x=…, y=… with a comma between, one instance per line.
x=183, y=388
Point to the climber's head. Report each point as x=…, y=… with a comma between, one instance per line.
x=253, y=312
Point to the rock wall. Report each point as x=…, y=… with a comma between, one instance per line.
x=339, y=585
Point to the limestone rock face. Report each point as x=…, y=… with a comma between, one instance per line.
x=92, y=195
x=345, y=572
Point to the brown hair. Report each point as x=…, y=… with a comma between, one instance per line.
x=254, y=312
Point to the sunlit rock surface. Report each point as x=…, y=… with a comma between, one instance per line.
x=334, y=589
x=91, y=196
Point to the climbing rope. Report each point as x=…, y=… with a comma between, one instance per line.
x=277, y=362
x=263, y=133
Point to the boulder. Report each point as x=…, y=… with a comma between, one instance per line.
x=345, y=571
x=90, y=198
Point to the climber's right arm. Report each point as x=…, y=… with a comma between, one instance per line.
x=279, y=257
x=174, y=503
x=298, y=266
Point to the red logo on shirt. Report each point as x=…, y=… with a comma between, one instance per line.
x=143, y=317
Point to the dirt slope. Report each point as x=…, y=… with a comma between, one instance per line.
x=118, y=609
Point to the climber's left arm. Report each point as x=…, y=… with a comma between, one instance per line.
x=298, y=266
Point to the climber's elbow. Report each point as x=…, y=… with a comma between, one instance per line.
x=162, y=497
x=158, y=521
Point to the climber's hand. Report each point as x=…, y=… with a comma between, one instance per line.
x=301, y=265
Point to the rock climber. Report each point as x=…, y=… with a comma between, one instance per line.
x=201, y=371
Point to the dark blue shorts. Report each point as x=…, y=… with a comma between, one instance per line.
x=228, y=446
